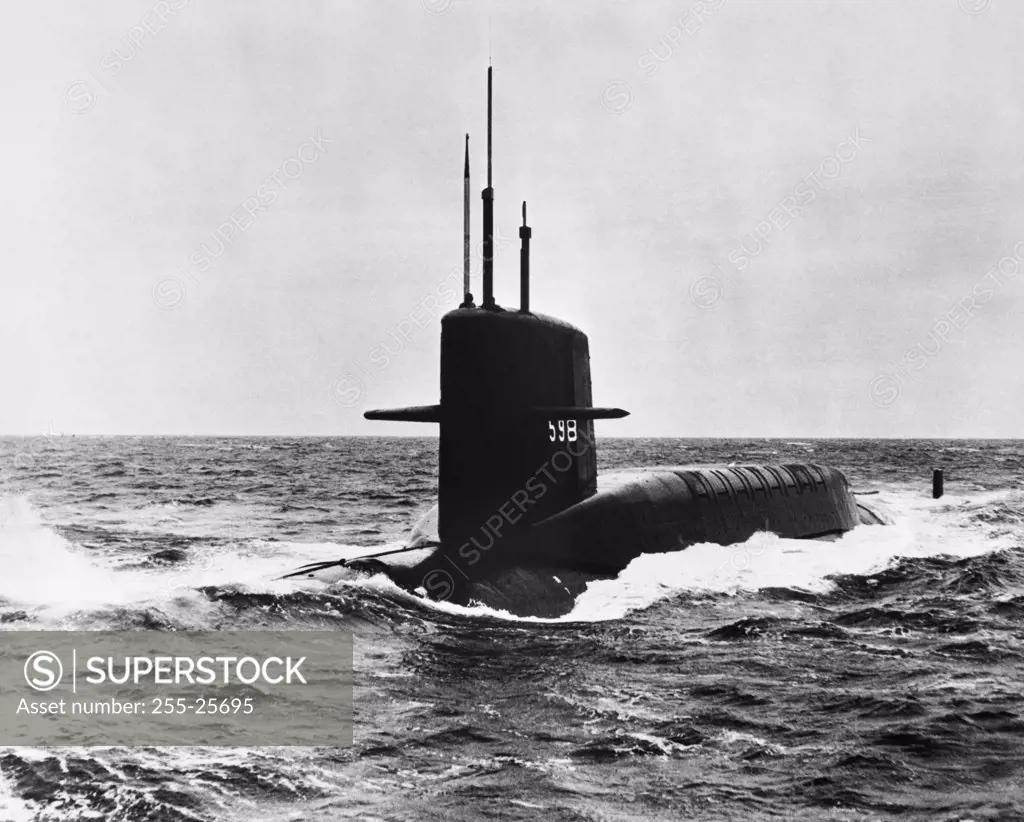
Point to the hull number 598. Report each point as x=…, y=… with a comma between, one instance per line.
x=562, y=431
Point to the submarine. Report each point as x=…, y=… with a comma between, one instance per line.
x=522, y=523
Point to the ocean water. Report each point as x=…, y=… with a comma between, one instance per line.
x=880, y=676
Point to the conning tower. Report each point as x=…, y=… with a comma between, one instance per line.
x=516, y=415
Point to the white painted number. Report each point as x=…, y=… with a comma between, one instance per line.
x=566, y=431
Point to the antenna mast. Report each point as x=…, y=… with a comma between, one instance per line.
x=488, y=198
x=524, y=265
x=467, y=297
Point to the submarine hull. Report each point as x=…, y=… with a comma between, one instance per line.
x=662, y=510
x=540, y=573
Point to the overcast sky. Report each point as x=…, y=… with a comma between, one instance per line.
x=772, y=218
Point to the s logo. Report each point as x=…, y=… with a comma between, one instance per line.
x=43, y=670
x=439, y=585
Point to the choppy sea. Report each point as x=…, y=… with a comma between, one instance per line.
x=877, y=677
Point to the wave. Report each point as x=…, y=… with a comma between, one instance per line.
x=169, y=784
x=221, y=580
x=920, y=528
x=56, y=581
x=40, y=567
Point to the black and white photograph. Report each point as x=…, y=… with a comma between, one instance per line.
x=579, y=411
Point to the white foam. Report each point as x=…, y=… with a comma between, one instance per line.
x=921, y=527
x=13, y=809
x=42, y=569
